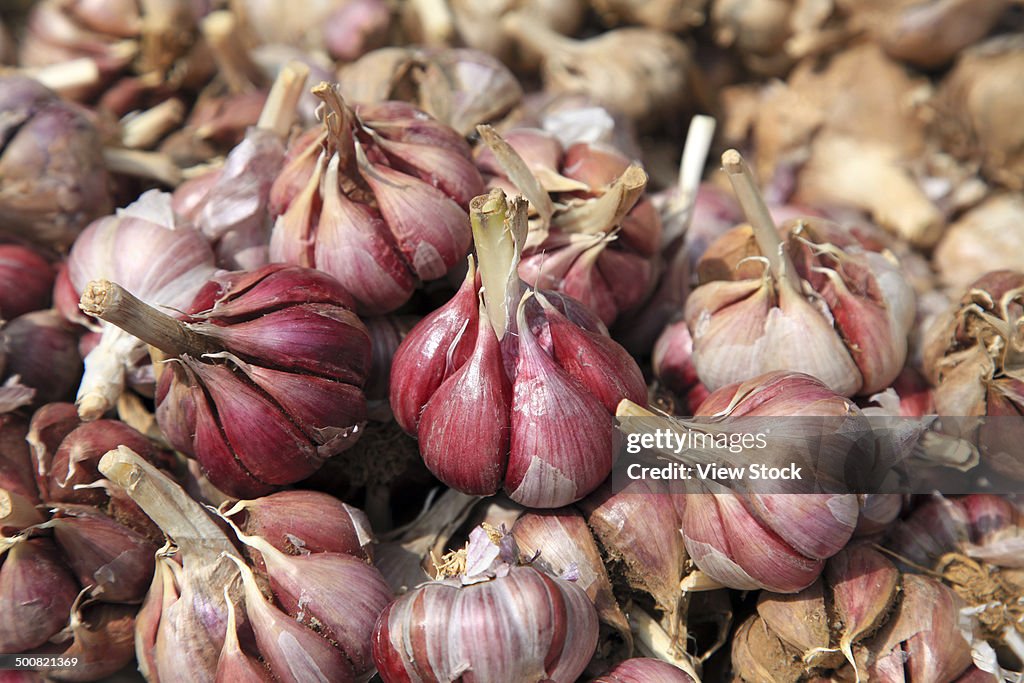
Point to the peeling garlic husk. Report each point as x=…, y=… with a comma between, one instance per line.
x=973, y=354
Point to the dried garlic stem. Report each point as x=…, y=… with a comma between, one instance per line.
x=64, y=76
x=760, y=219
x=279, y=110
x=653, y=641
x=499, y=231
x=695, y=156
x=114, y=304
x=519, y=173
x=223, y=34
x=152, y=165
x=184, y=520
x=144, y=129
x=437, y=28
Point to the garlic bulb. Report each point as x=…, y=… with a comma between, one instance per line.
x=229, y=205
x=515, y=390
x=666, y=15
x=770, y=35
x=988, y=237
x=599, y=243
x=926, y=34
x=376, y=199
x=541, y=628
x=851, y=308
x=976, y=110
x=266, y=383
x=42, y=351
x=639, y=72
x=862, y=620
x=152, y=254
x=310, y=614
x=974, y=544
x=53, y=180
x=26, y=280
x=75, y=561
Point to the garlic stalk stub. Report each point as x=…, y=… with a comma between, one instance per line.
x=851, y=309
x=376, y=198
x=514, y=390
x=538, y=628
x=265, y=381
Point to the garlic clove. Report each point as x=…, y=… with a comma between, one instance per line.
x=102, y=641
x=161, y=593
x=329, y=413
x=234, y=665
x=464, y=428
x=262, y=438
x=291, y=236
x=432, y=351
x=864, y=585
x=815, y=525
x=320, y=339
x=26, y=280
x=630, y=275
x=925, y=627
x=453, y=174
x=354, y=245
x=560, y=541
x=594, y=360
x=36, y=595
x=561, y=441
x=216, y=457
x=293, y=652
x=639, y=528
x=735, y=549
x=758, y=654
x=430, y=228
x=305, y=521
x=111, y=559
x=42, y=349
x=337, y=595
x=801, y=620
x=230, y=297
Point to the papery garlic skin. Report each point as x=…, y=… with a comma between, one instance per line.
x=154, y=256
